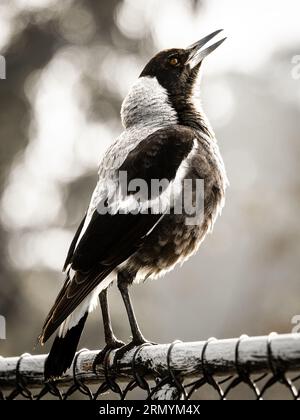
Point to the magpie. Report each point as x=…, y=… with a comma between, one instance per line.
x=166, y=137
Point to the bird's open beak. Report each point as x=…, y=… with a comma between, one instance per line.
x=196, y=54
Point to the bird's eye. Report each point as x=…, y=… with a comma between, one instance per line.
x=173, y=61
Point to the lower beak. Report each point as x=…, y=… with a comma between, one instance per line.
x=196, y=54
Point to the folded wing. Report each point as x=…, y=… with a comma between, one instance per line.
x=110, y=239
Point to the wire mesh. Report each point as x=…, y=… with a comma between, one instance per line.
x=245, y=368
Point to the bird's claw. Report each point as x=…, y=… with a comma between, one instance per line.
x=119, y=354
x=99, y=359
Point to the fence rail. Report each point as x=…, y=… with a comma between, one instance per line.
x=167, y=371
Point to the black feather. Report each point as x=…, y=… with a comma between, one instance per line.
x=73, y=244
x=63, y=350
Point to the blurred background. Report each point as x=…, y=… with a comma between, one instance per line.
x=69, y=65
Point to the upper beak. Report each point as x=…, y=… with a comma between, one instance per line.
x=196, y=55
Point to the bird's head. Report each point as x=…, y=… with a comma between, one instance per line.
x=168, y=79
x=177, y=69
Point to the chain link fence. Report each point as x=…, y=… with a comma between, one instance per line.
x=245, y=368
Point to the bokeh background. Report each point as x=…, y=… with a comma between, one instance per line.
x=69, y=65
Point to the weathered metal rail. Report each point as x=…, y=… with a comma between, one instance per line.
x=253, y=355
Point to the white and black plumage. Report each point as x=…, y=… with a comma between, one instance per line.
x=165, y=137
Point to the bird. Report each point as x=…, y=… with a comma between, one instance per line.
x=127, y=236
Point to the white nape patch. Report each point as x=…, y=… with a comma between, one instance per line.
x=87, y=305
x=147, y=103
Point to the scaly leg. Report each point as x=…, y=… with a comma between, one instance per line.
x=111, y=341
x=137, y=337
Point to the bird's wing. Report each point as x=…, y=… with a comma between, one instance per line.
x=73, y=244
x=110, y=239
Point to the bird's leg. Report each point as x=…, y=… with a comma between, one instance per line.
x=137, y=337
x=111, y=341
x=108, y=332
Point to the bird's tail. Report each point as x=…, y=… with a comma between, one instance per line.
x=64, y=348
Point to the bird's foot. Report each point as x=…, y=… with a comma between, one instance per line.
x=111, y=345
x=119, y=354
